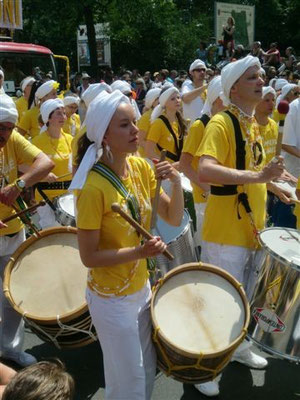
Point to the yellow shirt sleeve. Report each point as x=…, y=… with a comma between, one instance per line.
x=25, y=151
x=144, y=122
x=194, y=138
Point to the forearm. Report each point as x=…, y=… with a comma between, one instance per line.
x=171, y=209
x=226, y=176
x=291, y=150
x=189, y=97
x=110, y=258
x=40, y=168
x=150, y=149
x=186, y=167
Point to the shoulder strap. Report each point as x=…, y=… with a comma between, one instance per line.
x=240, y=151
x=178, y=142
x=204, y=119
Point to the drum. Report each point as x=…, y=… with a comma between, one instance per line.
x=200, y=315
x=65, y=211
x=180, y=243
x=275, y=305
x=45, y=282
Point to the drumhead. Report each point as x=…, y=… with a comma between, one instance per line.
x=66, y=203
x=170, y=233
x=283, y=243
x=199, y=311
x=48, y=277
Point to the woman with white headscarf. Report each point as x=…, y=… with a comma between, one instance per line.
x=54, y=142
x=22, y=102
x=118, y=291
x=168, y=128
x=72, y=123
x=144, y=122
x=289, y=92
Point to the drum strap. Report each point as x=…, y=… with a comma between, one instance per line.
x=204, y=119
x=41, y=186
x=177, y=141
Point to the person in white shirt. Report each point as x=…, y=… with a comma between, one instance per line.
x=194, y=91
x=291, y=138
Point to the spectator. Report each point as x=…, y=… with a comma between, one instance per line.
x=173, y=75
x=272, y=56
x=239, y=52
x=201, y=52
x=85, y=83
x=140, y=90
x=147, y=79
x=228, y=37
x=257, y=51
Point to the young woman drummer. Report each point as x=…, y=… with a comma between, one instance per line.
x=168, y=128
x=118, y=292
x=57, y=145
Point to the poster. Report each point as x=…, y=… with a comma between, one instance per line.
x=244, y=22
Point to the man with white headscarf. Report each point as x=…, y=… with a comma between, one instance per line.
x=194, y=91
x=14, y=151
x=22, y=102
x=189, y=162
x=232, y=160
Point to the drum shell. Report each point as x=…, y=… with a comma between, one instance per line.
x=44, y=327
x=276, y=294
x=179, y=357
x=181, y=245
x=61, y=214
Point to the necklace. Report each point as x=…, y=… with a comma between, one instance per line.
x=62, y=156
x=2, y=176
x=253, y=137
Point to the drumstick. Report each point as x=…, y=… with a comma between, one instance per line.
x=63, y=176
x=156, y=196
x=29, y=209
x=295, y=201
x=28, y=222
x=116, y=208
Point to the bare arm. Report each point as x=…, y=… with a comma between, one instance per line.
x=150, y=149
x=185, y=165
x=291, y=150
x=193, y=94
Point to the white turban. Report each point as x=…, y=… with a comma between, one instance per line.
x=284, y=92
x=267, y=90
x=92, y=92
x=1, y=74
x=232, y=72
x=163, y=98
x=280, y=83
x=8, y=110
x=123, y=86
x=71, y=100
x=98, y=117
x=46, y=109
x=27, y=81
x=151, y=96
x=272, y=82
x=213, y=92
x=196, y=64
x=46, y=88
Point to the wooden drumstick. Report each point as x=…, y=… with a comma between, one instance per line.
x=116, y=208
x=27, y=221
x=64, y=175
x=156, y=196
x=19, y=213
x=295, y=201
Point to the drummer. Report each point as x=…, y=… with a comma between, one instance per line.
x=72, y=123
x=189, y=162
x=57, y=145
x=231, y=154
x=14, y=151
x=168, y=128
x=22, y=102
x=119, y=292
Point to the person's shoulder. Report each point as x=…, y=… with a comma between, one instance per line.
x=40, y=138
x=295, y=106
x=272, y=124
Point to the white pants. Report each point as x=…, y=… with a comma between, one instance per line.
x=200, y=210
x=47, y=217
x=123, y=326
x=11, y=323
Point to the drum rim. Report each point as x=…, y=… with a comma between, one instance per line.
x=272, y=252
x=10, y=265
x=210, y=268
x=59, y=210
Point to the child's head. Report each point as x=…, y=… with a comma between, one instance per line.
x=42, y=381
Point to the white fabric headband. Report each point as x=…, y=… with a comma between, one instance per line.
x=8, y=110
x=46, y=88
x=280, y=83
x=93, y=91
x=46, y=109
x=1, y=73
x=196, y=64
x=27, y=81
x=151, y=96
x=163, y=98
x=213, y=92
x=284, y=92
x=71, y=100
x=123, y=86
x=267, y=90
x=98, y=117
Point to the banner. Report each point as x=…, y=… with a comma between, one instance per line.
x=244, y=22
x=11, y=14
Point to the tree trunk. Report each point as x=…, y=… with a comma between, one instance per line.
x=91, y=34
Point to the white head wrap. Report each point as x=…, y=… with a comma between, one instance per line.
x=163, y=98
x=123, y=86
x=196, y=64
x=267, y=90
x=45, y=89
x=98, y=117
x=1, y=73
x=272, y=82
x=151, y=96
x=27, y=81
x=71, y=100
x=92, y=92
x=232, y=72
x=280, y=83
x=213, y=92
x=8, y=110
x=284, y=92
x=46, y=109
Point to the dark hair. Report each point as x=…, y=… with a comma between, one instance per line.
x=82, y=146
x=46, y=380
x=182, y=124
x=34, y=88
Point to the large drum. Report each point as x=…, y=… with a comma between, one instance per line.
x=45, y=282
x=275, y=305
x=65, y=210
x=200, y=315
x=180, y=243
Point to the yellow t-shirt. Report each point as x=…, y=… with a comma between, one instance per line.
x=269, y=135
x=74, y=144
x=29, y=122
x=59, y=150
x=221, y=223
x=191, y=145
x=72, y=125
x=94, y=212
x=144, y=125
x=22, y=106
x=17, y=150
x=160, y=134
x=297, y=207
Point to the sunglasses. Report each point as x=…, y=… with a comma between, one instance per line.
x=199, y=69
